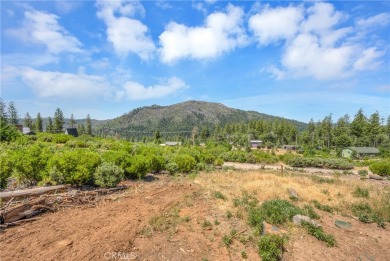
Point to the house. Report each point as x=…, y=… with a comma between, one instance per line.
x=289, y=147
x=27, y=131
x=172, y=143
x=72, y=131
x=359, y=152
x=255, y=143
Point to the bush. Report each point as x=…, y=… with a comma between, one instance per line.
x=172, y=167
x=322, y=207
x=218, y=162
x=320, y=163
x=139, y=166
x=61, y=138
x=271, y=247
x=208, y=158
x=318, y=233
x=366, y=214
x=157, y=163
x=77, y=166
x=274, y=211
x=363, y=173
x=5, y=168
x=108, y=175
x=381, y=167
x=185, y=163
x=120, y=158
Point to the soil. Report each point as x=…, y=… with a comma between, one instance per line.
x=167, y=220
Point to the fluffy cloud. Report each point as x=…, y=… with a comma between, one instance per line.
x=382, y=19
x=271, y=25
x=137, y=91
x=64, y=85
x=127, y=35
x=43, y=28
x=221, y=33
x=315, y=44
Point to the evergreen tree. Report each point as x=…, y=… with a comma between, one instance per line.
x=81, y=128
x=3, y=112
x=72, y=121
x=89, y=125
x=28, y=121
x=359, y=124
x=50, y=127
x=388, y=126
x=12, y=114
x=58, y=120
x=157, y=137
x=374, y=128
x=327, y=129
x=38, y=123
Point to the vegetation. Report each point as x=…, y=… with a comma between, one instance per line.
x=271, y=247
x=108, y=175
x=318, y=233
x=381, y=167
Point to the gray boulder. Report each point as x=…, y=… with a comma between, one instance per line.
x=298, y=219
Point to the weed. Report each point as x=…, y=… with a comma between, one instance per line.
x=206, y=223
x=325, y=191
x=244, y=255
x=219, y=195
x=322, y=180
x=275, y=211
x=247, y=201
x=165, y=221
x=322, y=207
x=363, y=173
x=309, y=211
x=216, y=222
x=229, y=214
x=366, y=214
x=361, y=192
x=228, y=239
x=318, y=233
x=271, y=247
x=187, y=219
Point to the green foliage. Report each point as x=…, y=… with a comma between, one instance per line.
x=218, y=162
x=8, y=132
x=227, y=240
x=172, y=167
x=139, y=166
x=6, y=169
x=247, y=201
x=274, y=211
x=322, y=207
x=229, y=214
x=77, y=166
x=319, y=233
x=320, y=163
x=322, y=180
x=361, y=192
x=366, y=214
x=108, y=175
x=381, y=167
x=157, y=163
x=271, y=247
x=219, y=195
x=185, y=163
x=363, y=173
x=309, y=211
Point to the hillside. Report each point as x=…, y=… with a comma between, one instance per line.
x=182, y=117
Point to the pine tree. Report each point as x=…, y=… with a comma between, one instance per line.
x=50, y=127
x=58, y=121
x=38, y=123
x=28, y=121
x=374, y=127
x=72, y=121
x=89, y=125
x=3, y=112
x=12, y=113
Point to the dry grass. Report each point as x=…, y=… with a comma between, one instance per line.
x=267, y=185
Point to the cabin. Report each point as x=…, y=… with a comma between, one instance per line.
x=27, y=131
x=255, y=143
x=359, y=152
x=72, y=131
x=290, y=147
x=171, y=143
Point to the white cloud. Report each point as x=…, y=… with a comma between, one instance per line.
x=211, y=1
x=271, y=25
x=127, y=35
x=368, y=60
x=65, y=85
x=43, y=28
x=222, y=32
x=382, y=19
x=137, y=91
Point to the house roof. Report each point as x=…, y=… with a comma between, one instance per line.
x=27, y=131
x=172, y=143
x=72, y=131
x=367, y=150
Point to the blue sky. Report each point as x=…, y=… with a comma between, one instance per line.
x=297, y=60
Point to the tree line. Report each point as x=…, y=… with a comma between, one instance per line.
x=9, y=117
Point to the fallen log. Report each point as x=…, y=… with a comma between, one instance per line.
x=31, y=192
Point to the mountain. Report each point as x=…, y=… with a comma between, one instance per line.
x=181, y=118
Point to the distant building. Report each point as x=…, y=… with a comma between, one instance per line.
x=27, y=131
x=255, y=143
x=171, y=143
x=72, y=131
x=290, y=147
x=360, y=152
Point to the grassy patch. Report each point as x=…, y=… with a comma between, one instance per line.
x=322, y=207
x=227, y=240
x=219, y=195
x=206, y=223
x=247, y=201
x=271, y=247
x=274, y=211
x=322, y=180
x=309, y=211
x=319, y=233
x=361, y=192
x=165, y=221
x=229, y=214
x=366, y=214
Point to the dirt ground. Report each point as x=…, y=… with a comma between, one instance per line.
x=173, y=219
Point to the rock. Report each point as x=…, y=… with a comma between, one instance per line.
x=297, y=220
x=376, y=177
x=343, y=224
x=365, y=257
x=149, y=177
x=268, y=229
x=293, y=193
x=65, y=243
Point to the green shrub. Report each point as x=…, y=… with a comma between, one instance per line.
x=320, y=163
x=6, y=168
x=209, y=158
x=381, y=167
x=108, y=175
x=366, y=214
x=219, y=195
x=157, y=163
x=363, y=173
x=139, y=166
x=247, y=201
x=172, y=167
x=218, y=162
x=274, y=211
x=322, y=207
x=120, y=158
x=185, y=163
x=361, y=192
x=61, y=138
x=271, y=247
x=77, y=166
x=318, y=233
x=309, y=211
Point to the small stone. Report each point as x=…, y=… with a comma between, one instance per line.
x=297, y=220
x=365, y=257
x=293, y=193
x=343, y=224
x=64, y=243
x=376, y=177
